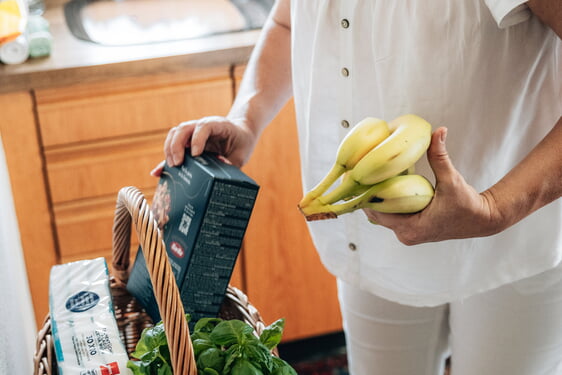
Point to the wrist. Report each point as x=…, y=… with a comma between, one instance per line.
x=497, y=217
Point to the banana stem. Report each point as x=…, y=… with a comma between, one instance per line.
x=335, y=173
x=343, y=190
x=315, y=210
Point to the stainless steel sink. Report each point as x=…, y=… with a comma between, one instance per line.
x=129, y=22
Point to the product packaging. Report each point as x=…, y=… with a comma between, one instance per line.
x=203, y=208
x=13, y=19
x=83, y=323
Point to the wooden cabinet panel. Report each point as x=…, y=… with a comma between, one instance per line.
x=284, y=275
x=120, y=114
x=102, y=168
x=85, y=227
x=25, y=165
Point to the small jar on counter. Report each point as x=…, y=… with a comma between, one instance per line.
x=38, y=36
x=15, y=51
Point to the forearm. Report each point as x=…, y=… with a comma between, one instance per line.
x=266, y=85
x=535, y=182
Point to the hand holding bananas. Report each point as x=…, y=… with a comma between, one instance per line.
x=374, y=160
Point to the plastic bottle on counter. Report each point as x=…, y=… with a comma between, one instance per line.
x=38, y=36
x=15, y=52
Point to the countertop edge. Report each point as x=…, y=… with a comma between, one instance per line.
x=39, y=79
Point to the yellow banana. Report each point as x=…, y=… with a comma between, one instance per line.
x=398, y=194
x=362, y=138
x=355, y=191
x=360, y=189
x=409, y=139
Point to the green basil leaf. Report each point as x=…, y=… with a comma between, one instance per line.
x=272, y=334
x=210, y=371
x=280, y=367
x=245, y=367
x=230, y=332
x=164, y=353
x=164, y=370
x=151, y=338
x=259, y=355
x=211, y=358
x=200, y=335
x=138, y=368
x=206, y=324
x=232, y=355
x=199, y=345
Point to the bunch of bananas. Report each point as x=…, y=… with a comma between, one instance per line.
x=375, y=162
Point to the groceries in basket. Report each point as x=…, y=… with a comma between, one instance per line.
x=203, y=208
x=221, y=347
x=85, y=331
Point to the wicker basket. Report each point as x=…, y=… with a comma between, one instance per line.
x=131, y=318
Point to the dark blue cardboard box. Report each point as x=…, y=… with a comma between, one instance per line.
x=203, y=208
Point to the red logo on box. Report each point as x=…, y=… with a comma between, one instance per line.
x=177, y=249
x=110, y=369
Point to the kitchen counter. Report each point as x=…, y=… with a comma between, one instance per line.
x=76, y=61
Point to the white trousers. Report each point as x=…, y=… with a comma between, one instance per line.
x=512, y=330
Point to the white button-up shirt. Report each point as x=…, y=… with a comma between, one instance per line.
x=487, y=69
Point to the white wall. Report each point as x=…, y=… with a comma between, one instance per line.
x=17, y=322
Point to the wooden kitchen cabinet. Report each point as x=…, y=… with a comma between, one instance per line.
x=98, y=138
x=283, y=273
x=70, y=149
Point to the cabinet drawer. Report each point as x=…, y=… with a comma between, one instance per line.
x=102, y=168
x=119, y=114
x=85, y=227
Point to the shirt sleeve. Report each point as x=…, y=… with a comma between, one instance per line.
x=508, y=12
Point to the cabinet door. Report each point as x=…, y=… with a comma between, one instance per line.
x=100, y=137
x=283, y=273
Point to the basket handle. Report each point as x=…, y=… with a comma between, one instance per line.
x=133, y=207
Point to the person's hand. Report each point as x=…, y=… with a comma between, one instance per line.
x=456, y=211
x=231, y=139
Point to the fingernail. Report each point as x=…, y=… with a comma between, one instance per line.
x=195, y=150
x=170, y=161
x=443, y=136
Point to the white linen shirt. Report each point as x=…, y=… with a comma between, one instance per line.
x=488, y=70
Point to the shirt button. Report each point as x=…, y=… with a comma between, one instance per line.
x=345, y=123
x=345, y=72
x=352, y=246
x=344, y=23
